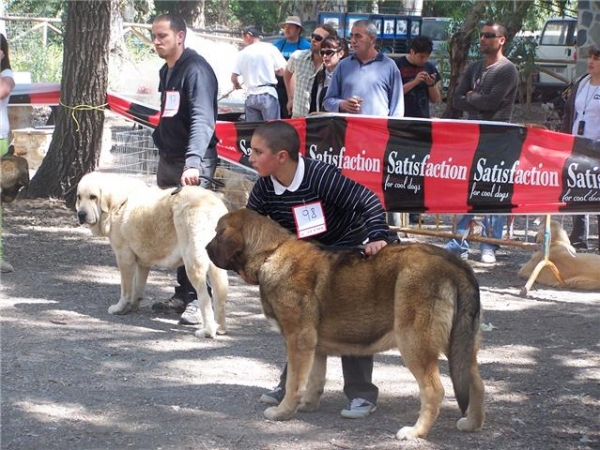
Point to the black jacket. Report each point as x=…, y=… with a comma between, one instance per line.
x=190, y=133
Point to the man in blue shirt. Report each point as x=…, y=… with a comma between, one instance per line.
x=367, y=82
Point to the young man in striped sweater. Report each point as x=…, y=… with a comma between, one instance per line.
x=353, y=216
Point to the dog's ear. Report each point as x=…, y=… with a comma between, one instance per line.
x=104, y=200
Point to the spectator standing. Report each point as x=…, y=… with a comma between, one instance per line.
x=582, y=118
x=353, y=214
x=486, y=91
x=301, y=70
x=420, y=78
x=257, y=64
x=185, y=136
x=367, y=82
x=291, y=41
x=7, y=84
x=420, y=83
x=333, y=50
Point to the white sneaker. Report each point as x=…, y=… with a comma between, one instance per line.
x=191, y=315
x=488, y=256
x=358, y=408
x=273, y=397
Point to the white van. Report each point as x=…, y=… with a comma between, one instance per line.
x=556, y=54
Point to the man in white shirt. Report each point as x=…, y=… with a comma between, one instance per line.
x=257, y=64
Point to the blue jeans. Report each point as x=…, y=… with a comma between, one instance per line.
x=262, y=107
x=494, y=223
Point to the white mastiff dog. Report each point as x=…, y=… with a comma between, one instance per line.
x=148, y=226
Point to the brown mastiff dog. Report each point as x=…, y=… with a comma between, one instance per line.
x=418, y=298
x=576, y=270
x=14, y=174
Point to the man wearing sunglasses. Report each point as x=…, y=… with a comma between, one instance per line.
x=487, y=91
x=301, y=69
x=488, y=88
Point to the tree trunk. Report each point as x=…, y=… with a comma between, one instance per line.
x=460, y=44
x=76, y=143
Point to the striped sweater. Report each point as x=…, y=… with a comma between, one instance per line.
x=353, y=213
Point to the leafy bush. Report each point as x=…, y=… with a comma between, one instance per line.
x=44, y=63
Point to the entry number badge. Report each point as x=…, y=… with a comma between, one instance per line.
x=171, y=104
x=310, y=220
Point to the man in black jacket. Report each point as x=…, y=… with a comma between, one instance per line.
x=185, y=136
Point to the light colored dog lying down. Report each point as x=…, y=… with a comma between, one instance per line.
x=148, y=226
x=578, y=270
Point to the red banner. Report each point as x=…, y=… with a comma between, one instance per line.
x=424, y=165
x=447, y=166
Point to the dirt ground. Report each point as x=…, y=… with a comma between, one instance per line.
x=75, y=377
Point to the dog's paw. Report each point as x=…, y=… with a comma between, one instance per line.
x=407, y=434
x=117, y=310
x=308, y=407
x=204, y=333
x=277, y=413
x=468, y=425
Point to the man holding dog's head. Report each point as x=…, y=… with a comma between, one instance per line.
x=185, y=136
x=343, y=213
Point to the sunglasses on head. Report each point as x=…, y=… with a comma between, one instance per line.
x=317, y=37
x=488, y=35
x=329, y=52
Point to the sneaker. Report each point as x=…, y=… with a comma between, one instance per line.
x=274, y=397
x=173, y=305
x=460, y=249
x=488, y=256
x=191, y=315
x=579, y=245
x=358, y=408
x=5, y=267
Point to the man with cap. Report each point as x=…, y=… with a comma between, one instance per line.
x=301, y=69
x=257, y=64
x=288, y=44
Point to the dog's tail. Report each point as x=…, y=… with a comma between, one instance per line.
x=463, y=336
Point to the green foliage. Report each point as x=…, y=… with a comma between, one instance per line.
x=44, y=63
x=264, y=15
x=36, y=8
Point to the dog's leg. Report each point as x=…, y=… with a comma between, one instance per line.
x=127, y=268
x=424, y=365
x=197, y=270
x=300, y=347
x=219, y=282
x=476, y=410
x=316, y=383
x=139, y=286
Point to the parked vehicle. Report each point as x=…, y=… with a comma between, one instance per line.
x=556, y=55
x=438, y=29
x=394, y=31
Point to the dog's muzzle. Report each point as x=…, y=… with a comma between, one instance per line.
x=81, y=217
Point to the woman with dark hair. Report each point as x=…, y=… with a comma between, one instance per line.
x=7, y=84
x=333, y=50
x=582, y=118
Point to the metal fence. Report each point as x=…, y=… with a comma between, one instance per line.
x=134, y=152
